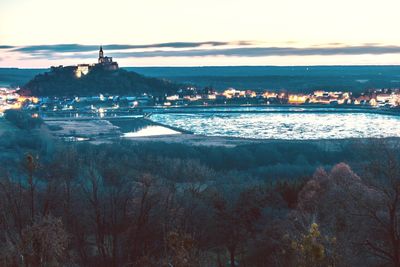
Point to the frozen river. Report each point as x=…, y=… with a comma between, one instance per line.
x=282, y=123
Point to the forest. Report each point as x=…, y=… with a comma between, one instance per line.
x=157, y=204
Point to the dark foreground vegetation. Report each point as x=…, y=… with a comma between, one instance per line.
x=22, y=120
x=157, y=204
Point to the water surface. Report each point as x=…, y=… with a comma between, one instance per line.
x=284, y=125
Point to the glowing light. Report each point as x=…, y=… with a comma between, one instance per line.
x=101, y=112
x=297, y=99
x=32, y=99
x=172, y=97
x=270, y=95
x=81, y=70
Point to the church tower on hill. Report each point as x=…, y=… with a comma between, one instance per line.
x=101, y=53
x=106, y=62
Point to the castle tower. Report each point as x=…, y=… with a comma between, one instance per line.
x=106, y=62
x=101, y=54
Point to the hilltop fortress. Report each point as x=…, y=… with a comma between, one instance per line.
x=104, y=62
x=103, y=77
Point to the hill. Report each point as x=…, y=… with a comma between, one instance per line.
x=62, y=81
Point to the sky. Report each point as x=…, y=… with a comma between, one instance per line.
x=43, y=33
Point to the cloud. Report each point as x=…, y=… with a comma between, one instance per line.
x=59, y=48
x=65, y=48
x=267, y=51
x=198, y=49
x=6, y=46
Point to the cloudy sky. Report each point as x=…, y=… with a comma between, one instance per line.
x=41, y=33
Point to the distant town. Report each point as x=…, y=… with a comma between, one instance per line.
x=191, y=96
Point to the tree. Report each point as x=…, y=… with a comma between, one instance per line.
x=236, y=219
x=310, y=250
x=326, y=200
x=361, y=213
x=182, y=250
x=44, y=244
x=381, y=203
x=31, y=166
x=22, y=119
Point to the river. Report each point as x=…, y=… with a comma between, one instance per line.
x=282, y=123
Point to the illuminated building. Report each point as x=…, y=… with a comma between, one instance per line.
x=319, y=93
x=172, y=97
x=229, y=93
x=250, y=93
x=82, y=69
x=106, y=62
x=269, y=95
x=383, y=99
x=233, y=93
x=298, y=98
x=211, y=97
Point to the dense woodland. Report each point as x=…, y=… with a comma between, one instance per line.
x=157, y=204
x=62, y=81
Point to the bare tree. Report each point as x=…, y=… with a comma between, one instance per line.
x=31, y=166
x=44, y=243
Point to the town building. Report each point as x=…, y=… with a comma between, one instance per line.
x=296, y=99
x=82, y=69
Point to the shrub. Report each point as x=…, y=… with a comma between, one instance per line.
x=22, y=119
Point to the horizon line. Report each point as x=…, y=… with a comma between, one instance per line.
x=223, y=66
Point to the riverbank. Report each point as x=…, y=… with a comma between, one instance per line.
x=253, y=108
x=330, y=145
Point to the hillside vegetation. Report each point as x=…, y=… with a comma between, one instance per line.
x=63, y=82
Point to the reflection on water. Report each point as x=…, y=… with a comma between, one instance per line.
x=151, y=131
x=285, y=125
